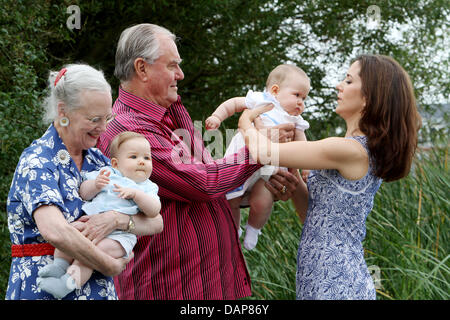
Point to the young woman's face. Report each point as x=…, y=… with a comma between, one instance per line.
x=350, y=101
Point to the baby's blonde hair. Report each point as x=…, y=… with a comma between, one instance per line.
x=120, y=139
x=280, y=73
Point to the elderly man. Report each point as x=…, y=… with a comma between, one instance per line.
x=198, y=255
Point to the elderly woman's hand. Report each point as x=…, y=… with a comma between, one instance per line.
x=98, y=226
x=280, y=133
x=283, y=184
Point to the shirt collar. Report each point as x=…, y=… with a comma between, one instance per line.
x=115, y=171
x=52, y=139
x=152, y=110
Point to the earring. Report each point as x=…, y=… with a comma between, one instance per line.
x=64, y=121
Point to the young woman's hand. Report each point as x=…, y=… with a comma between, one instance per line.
x=249, y=115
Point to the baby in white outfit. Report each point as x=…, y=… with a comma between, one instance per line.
x=287, y=87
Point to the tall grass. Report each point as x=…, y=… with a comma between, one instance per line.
x=407, y=238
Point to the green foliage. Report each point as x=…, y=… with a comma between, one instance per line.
x=273, y=263
x=411, y=220
x=229, y=46
x=26, y=27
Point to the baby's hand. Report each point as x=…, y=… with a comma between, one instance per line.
x=212, y=123
x=102, y=179
x=125, y=193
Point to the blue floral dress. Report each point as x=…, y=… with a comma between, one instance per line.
x=46, y=175
x=330, y=261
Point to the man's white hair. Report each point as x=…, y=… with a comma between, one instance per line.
x=139, y=41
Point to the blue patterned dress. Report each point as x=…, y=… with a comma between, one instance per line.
x=46, y=175
x=330, y=261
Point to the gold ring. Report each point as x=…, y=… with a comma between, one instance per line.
x=283, y=190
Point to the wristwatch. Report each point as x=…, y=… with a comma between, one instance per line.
x=131, y=225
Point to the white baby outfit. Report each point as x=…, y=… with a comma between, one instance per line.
x=271, y=118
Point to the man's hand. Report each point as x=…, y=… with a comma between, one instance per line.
x=281, y=133
x=283, y=184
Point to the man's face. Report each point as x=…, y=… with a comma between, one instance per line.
x=164, y=74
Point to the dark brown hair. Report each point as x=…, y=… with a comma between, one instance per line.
x=390, y=119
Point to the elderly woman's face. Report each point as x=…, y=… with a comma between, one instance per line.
x=89, y=122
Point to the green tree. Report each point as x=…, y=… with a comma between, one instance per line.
x=229, y=46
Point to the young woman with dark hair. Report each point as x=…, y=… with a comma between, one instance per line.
x=376, y=100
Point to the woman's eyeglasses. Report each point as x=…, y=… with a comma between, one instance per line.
x=96, y=120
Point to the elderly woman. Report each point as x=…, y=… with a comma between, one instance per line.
x=43, y=203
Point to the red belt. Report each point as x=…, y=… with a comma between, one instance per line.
x=31, y=250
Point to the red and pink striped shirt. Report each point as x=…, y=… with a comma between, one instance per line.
x=198, y=254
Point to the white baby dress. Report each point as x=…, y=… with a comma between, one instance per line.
x=271, y=118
